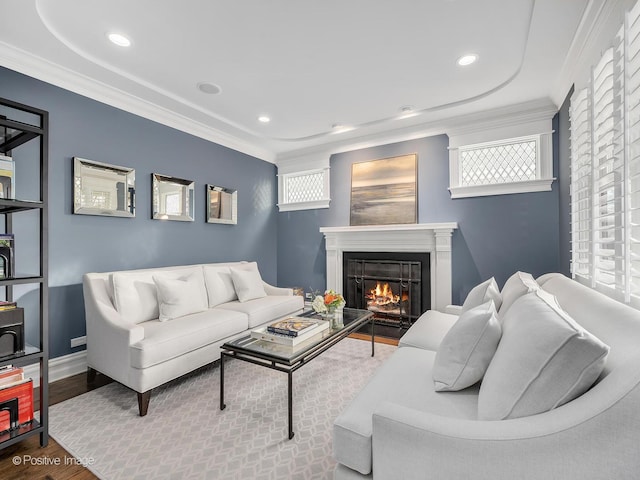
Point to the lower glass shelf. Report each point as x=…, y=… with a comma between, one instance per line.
x=30, y=353
x=23, y=431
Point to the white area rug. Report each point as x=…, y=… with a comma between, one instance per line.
x=186, y=436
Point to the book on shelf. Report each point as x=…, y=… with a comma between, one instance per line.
x=292, y=326
x=10, y=374
x=21, y=390
x=263, y=334
x=5, y=305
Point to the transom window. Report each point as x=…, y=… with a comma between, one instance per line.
x=507, y=166
x=303, y=190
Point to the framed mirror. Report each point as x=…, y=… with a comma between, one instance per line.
x=103, y=189
x=172, y=198
x=222, y=205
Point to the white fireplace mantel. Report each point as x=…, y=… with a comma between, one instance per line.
x=432, y=238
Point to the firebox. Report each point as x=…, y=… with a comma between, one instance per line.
x=393, y=285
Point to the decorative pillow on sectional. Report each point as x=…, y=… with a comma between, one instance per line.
x=518, y=284
x=480, y=294
x=219, y=284
x=178, y=297
x=467, y=349
x=248, y=283
x=544, y=359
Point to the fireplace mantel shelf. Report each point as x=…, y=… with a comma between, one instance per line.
x=434, y=238
x=389, y=228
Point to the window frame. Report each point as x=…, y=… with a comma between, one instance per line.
x=285, y=206
x=544, y=169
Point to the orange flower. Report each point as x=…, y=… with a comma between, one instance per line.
x=328, y=298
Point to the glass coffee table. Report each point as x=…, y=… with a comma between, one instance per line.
x=288, y=359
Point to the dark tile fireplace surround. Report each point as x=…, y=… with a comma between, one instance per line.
x=393, y=285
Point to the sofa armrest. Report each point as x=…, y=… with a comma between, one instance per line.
x=570, y=442
x=271, y=290
x=453, y=309
x=109, y=336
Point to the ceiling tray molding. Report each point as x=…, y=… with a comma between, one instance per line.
x=41, y=69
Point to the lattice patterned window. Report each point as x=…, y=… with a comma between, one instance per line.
x=303, y=190
x=513, y=165
x=509, y=162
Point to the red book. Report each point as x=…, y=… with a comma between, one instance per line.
x=23, y=391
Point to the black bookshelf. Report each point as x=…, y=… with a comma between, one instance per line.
x=21, y=124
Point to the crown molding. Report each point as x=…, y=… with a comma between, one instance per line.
x=587, y=39
x=42, y=69
x=497, y=118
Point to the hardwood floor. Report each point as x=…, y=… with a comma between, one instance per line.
x=31, y=451
x=31, y=455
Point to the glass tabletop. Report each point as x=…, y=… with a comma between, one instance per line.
x=348, y=320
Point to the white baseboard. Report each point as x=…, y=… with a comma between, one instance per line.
x=59, y=367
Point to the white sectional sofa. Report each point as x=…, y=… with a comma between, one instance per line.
x=400, y=427
x=146, y=327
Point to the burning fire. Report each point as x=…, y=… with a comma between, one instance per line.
x=382, y=295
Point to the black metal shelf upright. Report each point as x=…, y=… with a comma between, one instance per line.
x=13, y=134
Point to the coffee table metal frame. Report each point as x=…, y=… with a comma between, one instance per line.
x=290, y=365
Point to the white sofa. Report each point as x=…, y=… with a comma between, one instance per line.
x=128, y=342
x=399, y=427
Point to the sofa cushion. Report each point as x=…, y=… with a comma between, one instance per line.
x=517, y=285
x=404, y=378
x=181, y=296
x=544, y=360
x=266, y=309
x=135, y=294
x=467, y=349
x=428, y=330
x=220, y=287
x=166, y=340
x=248, y=283
x=482, y=293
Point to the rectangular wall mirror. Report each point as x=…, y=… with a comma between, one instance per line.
x=222, y=205
x=103, y=189
x=172, y=198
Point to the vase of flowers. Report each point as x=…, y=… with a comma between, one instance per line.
x=327, y=305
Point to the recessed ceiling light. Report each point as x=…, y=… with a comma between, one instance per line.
x=465, y=60
x=119, y=39
x=210, y=88
x=264, y=119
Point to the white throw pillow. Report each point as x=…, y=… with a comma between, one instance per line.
x=544, y=359
x=178, y=297
x=135, y=294
x=467, y=349
x=518, y=284
x=219, y=284
x=480, y=294
x=248, y=283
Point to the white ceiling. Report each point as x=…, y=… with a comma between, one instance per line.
x=307, y=64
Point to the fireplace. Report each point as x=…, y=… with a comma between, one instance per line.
x=431, y=238
x=395, y=286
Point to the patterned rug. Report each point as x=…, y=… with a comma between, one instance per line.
x=186, y=436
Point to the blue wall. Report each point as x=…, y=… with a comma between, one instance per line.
x=80, y=244
x=496, y=235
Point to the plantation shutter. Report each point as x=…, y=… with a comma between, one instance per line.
x=581, y=198
x=633, y=150
x=608, y=173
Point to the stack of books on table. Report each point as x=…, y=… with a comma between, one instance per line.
x=13, y=386
x=291, y=330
